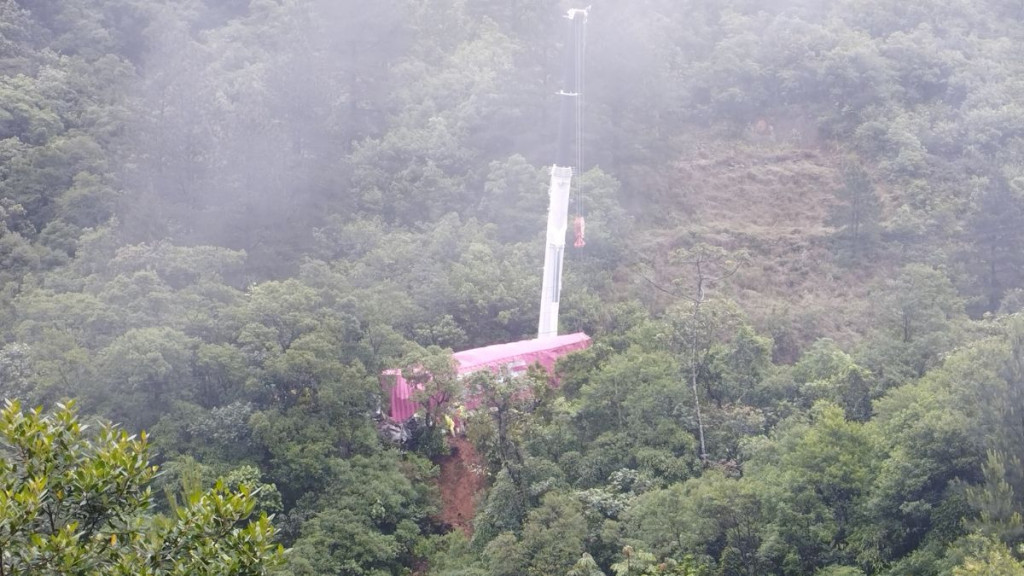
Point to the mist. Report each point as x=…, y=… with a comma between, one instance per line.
x=243, y=225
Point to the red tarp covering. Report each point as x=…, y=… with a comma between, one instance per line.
x=517, y=356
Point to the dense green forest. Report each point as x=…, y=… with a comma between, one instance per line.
x=220, y=220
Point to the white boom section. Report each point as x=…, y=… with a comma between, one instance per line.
x=558, y=220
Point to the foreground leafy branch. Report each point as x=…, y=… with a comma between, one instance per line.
x=72, y=502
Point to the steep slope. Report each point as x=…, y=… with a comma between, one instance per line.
x=769, y=201
x=463, y=477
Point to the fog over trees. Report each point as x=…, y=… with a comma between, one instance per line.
x=222, y=220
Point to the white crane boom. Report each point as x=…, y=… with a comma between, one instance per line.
x=558, y=218
x=561, y=175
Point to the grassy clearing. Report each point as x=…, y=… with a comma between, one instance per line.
x=770, y=201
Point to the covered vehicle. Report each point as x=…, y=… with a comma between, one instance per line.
x=516, y=357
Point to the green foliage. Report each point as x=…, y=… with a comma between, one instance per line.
x=450, y=554
x=857, y=215
x=553, y=536
x=79, y=503
x=917, y=316
x=503, y=512
x=432, y=375
x=997, y=508
x=510, y=198
x=147, y=367
x=993, y=559
x=585, y=566
x=505, y=556
x=826, y=372
x=366, y=520
x=222, y=220
x=641, y=563
x=701, y=519
x=629, y=415
x=840, y=571
x=997, y=240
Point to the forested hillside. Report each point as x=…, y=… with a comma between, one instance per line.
x=220, y=220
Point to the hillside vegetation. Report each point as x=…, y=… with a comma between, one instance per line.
x=220, y=220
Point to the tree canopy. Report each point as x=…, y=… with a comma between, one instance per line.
x=77, y=502
x=221, y=221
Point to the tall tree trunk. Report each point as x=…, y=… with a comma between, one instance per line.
x=693, y=362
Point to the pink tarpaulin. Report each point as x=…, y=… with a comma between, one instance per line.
x=516, y=356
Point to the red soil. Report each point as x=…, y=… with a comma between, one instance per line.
x=463, y=476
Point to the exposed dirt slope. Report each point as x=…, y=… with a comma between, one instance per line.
x=462, y=479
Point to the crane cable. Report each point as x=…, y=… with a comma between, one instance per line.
x=580, y=48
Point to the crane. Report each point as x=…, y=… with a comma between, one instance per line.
x=569, y=156
x=545, y=350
